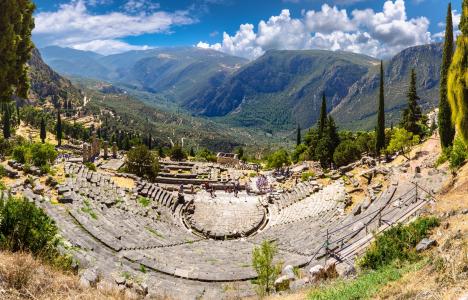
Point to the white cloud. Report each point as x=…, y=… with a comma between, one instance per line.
x=134, y=6
x=456, y=17
x=108, y=47
x=72, y=25
x=379, y=34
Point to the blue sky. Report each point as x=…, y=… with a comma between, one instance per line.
x=241, y=27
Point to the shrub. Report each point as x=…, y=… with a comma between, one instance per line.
x=346, y=152
x=37, y=154
x=300, y=153
x=177, y=153
x=142, y=162
x=3, y=172
x=307, y=175
x=267, y=271
x=278, y=159
x=90, y=166
x=458, y=154
x=25, y=227
x=145, y=202
x=397, y=243
x=402, y=140
x=206, y=155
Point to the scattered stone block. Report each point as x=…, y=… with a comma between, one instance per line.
x=425, y=244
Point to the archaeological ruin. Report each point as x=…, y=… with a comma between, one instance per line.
x=191, y=233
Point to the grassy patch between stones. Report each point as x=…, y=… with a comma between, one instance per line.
x=87, y=209
x=154, y=232
x=366, y=285
x=145, y=202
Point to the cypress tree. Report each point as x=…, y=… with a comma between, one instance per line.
x=25, y=46
x=412, y=114
x=18, y=113
x=323, y=116
x=16, y=24
x=43, y=133
x=298, y=137
x=446, y=128
x=58, y=129
x=6, y=121
x=150, y=141
x=380, y=134
x=332, y=133
x=458, y=79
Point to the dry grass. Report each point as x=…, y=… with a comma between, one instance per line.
x=124, y=182
x=27, y=131
x=23, y=277
x=446, y=277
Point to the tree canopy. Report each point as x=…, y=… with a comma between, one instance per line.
x=458, y=79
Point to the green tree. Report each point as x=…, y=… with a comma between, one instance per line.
x=332, y=133
x=300, y=153
x=16, y=24
x=192, y=152
x=240, y=152
x=323, y=117
x=298, y=136
x=43, y=130
x=412, y=114
x=6, y=120
x=402, y=140
x=446, y=128
x=346, y=153
x=380, y=134
x=177, y=153
x=267, y=271
x=278, y=159
x=458, y=79
x=142, y=162
x=58, y=129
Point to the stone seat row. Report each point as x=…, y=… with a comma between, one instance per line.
x=300, y=191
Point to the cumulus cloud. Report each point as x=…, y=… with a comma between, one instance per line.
x=72, y=25
x=379, y=34
x=456, y=17
x=108, y=47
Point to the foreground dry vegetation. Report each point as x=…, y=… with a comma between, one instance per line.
x=24, y=277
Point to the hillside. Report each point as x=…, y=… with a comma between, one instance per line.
x=283, y=88
x=357, y=110
x=175, y=73
x=131, y=114
x=47, y=85
x=273, y=93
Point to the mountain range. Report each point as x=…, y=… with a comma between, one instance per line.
x=276, y=92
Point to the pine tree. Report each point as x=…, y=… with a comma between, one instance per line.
x=380, y=134
x=323, y=116
x=298, y=137
x=412, y=114
x=446, y=128
x=458, y=79
x=58, y=129
x=43, y=130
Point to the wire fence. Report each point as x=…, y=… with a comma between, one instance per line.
x=332, y=243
